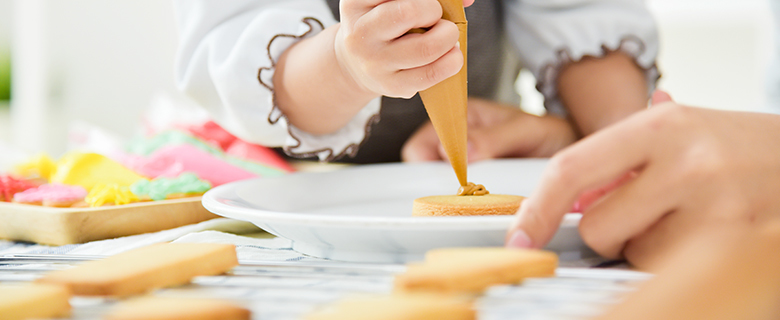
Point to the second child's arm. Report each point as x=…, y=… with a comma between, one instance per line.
x=600, y=91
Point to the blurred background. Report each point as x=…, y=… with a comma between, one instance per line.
x=103, y=63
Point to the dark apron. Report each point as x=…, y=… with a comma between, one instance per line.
x=400, y=118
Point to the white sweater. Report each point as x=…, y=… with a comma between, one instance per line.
x=225, y=45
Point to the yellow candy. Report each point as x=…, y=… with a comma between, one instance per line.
x=90, y=169
x=110, y=193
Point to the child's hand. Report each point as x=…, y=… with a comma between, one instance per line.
x=696, y=169
x=372, y=46
x=496, y=131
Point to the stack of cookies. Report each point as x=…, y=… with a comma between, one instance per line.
x=130, y=274
x=445, y=285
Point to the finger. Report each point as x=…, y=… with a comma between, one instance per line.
x=522, y=136
x=502, y=140
x=443, y=153
x=660, y=96
x=650, y=249
x=594, y=161
x=467, y=3
x=423, y=145
x=424, y=77
x=353, y=9
x=591, y=196
x=392, y=19
x=420, y=49
x=627, y=212
x=469, y=152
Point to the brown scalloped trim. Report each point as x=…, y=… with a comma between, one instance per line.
x=276, y=114
x=564, y=58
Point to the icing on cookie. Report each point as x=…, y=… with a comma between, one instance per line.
x=258, y=154
x=112, y=193
x=172, y=161
x=233, y=146
x=471, y=189
x=213, y=134
x=161, y=188
x=259, y=164
x=76, y=168
x=148, y=146
x=51, y=192
x=10, y=186
x=39, y=166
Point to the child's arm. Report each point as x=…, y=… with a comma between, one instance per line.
x=323, y=81
x=594, y=60
x=227, y=55
x=284, y=73
x=600, y=91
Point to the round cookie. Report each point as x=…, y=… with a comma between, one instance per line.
x=453, y=205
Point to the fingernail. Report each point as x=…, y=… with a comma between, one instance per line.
x=577, y=207
x=519, y=239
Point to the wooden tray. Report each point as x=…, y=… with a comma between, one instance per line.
x=60, y=226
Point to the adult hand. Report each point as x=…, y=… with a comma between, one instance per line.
x=496, y=131
x=373, y=48
x=695, y=169
x=724, y=274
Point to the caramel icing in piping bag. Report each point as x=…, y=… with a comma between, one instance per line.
x=446, y=102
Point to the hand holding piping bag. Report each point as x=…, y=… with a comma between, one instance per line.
x=438, y=72
x=447, y=101
x=374, y=48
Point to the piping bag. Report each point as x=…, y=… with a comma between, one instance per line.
x=446, y=102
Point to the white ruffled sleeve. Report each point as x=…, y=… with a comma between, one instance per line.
x=226, y=60
x=551, y=33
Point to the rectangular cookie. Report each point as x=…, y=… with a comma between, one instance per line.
x=141, y=270
x=156, y=308
x=407, y=306
x=472, y=270
x=33, y=301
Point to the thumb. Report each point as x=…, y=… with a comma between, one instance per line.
x=508, y=139
x=660, y=96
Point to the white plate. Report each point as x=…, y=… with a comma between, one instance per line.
x=363, y=213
